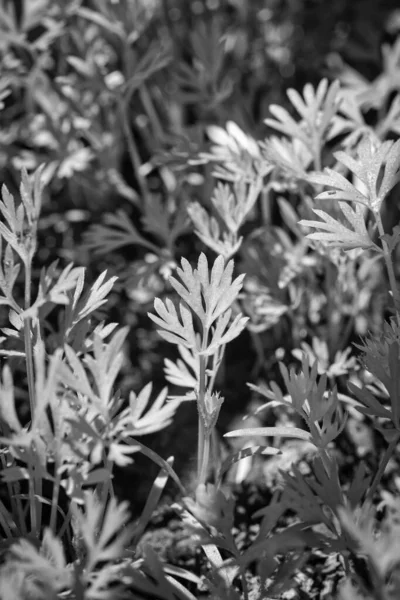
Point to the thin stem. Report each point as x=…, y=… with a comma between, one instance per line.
x=266, y=203
x=106, y=488
x=382, y=466
x=331, y=310
x=201, y=432
x=5, y=517
x=64, y=529
x=389, y=266
x=203, y=443
x=32, y=504
x=39, y=496
x=205, y=458
x=216, y=454
x=151, y=113
x=20, y=510
x=28, y=340
x=54, y=500
x=35, y=492
x=317, y=151
x=200, y=445
x=325, y=461
x=133, y=153
x=217, y=360
x=10, y=490
x=395, y=292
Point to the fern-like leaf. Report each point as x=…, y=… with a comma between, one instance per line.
x=336, y=235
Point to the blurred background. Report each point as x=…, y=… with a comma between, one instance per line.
x=114, y=97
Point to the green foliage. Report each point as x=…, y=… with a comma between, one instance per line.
x=85, y=87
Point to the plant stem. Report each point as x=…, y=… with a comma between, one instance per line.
x=217, y=361
x=35, y=492
x=5, y=521
x=133, y=153
x=396, y=297
x=10, y=491
x=107, y=488
x=205, y=458
x=382, y=466
x=214, y=446
x=331, y=311
x=201, y=432
x=389, y=266
x=32, y=504
x=325, y=461
x=216, y=454
x=64, y=529
x=265, y=205
x=20, y=511
x=148, y=104
x=317, y=152
x=54, y=500
x=203, y=450
x=28, y=340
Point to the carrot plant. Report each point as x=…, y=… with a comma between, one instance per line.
x=135, y=117
x=57, y=465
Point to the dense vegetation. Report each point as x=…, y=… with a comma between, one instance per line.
x=200, y=305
